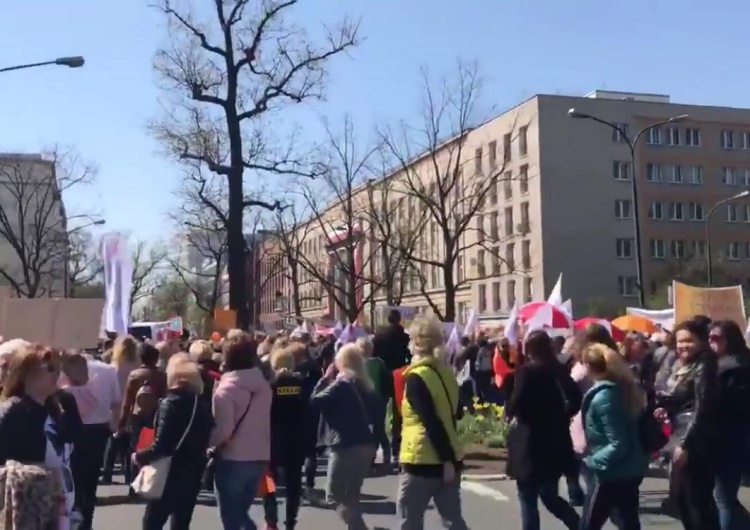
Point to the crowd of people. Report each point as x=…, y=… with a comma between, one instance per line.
x=237, y=416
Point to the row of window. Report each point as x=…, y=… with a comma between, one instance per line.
x=523, y=150
x=679, y=211
x=495, y=259
x=680, y=249
x=683, y=136
x=509, y=226
x=679, y=174
x=495, y=302
x=507, y=184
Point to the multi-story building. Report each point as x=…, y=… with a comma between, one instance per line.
x=34, y=242
x=565, y=205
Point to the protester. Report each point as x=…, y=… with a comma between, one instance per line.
x=382, y=382
x=616, y=458
x=241, y=440
x=430, y=453
x=350, y=408
x=183, y=426
x=540, y=450
x=392, y=344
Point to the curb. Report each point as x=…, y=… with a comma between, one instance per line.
x=482, y=477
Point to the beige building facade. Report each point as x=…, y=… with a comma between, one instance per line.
x=564, y=205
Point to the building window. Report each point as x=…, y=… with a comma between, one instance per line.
x=696, y=211
x=462, y=312
x=481, y=266
x=727, y=139
x=494, y=226
x=676, y=212
x=621, y=170
x=747, y=250
x=480, y=227
x=617, y=134
x=523, y=141
x=696, y=175
x=524, y=217
x=675, y=174
x=495, y=261
x=746, y=213
x=510, y=292
x=653, y=136
x=627, y=285
x=492, y=192
x=496, y=305
x=482, y=298
x=508, y=185
x=656, y=211
x=526, y=254
x=699, y=249
x=478, y=160
x=728, y=176
x=657, y=248
x=623, y=209
x=693, y=137
x=624, y=248
x=507, y=141
x=460, y=266
x=527, y=294
x=653, y=172
x=492, y=154
x=733, y=250
x=524, y=179
x=746, y=140
x=731, y=213
x=677, y=249
x=510, y=257
x=673, y=136
x=509, y=221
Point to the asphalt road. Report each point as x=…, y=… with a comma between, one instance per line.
x=487, y=506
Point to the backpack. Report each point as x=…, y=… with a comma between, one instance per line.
x=483, y=362
x=146, y=402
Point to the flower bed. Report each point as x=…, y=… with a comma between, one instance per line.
x=483, y=434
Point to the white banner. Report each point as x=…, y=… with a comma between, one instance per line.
x=118, y=280
x=660, y=317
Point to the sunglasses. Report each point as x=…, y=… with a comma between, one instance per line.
x=713, y=337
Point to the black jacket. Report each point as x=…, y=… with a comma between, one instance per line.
x=290, y=412
x=392, y=345
x=172, y=419
x=544, y=400
x=22, y=436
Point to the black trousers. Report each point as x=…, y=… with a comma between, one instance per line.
x=178, y=501
x=620, y=496
x=691, y=488
x=118, y=449
x=86, y=463
x=292, y=472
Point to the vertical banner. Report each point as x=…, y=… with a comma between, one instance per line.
x=118, y=280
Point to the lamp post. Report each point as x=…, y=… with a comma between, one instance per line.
x=71, y=62
x=632, y=144
x=709, y=264
x=66, y=276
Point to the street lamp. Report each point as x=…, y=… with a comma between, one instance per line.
x=632, y=144
x=709, y=264
x=71, y=62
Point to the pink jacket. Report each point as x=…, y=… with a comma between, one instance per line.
x=580, y=375
x=252, y=439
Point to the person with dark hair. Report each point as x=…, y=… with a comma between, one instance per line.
x=540, y=450
x=392, y=344
x=728, y=343
x=241, y=439
x=692, y=407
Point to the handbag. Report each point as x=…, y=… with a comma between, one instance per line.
x=152, y=478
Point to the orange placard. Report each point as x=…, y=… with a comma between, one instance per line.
x=267, y=485
x=717, y=303
x=224, y=320
x=145, y=439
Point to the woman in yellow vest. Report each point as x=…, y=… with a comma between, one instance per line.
x=430, y=453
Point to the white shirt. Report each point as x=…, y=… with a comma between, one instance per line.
x=104, y=386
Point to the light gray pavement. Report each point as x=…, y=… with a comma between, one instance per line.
x=487, y=506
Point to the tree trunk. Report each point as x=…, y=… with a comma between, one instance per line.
x=236, y=251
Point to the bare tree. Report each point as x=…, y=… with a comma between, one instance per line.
x=448, y=183
x=34, y=222
x=148, y=263
x=168, y=299
x=85, y=265
x=338, y=206
x=223, y=73
x=291, y=229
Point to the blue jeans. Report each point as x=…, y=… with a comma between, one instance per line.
x=529, y=494
x=725, y=492
x=236, y=486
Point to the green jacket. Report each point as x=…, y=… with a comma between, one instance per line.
x=381, y=379
x=612, y=435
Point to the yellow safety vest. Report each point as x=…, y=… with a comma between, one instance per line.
x=416, y=447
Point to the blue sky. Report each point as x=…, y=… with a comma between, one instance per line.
x=695, y=50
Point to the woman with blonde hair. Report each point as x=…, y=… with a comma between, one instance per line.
x=183, y=425
x=202, y=352
x=617, y=459
x=350, y=410
x=430, y=452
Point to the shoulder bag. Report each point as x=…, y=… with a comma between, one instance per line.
x=152, y=478
x=211, y=465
